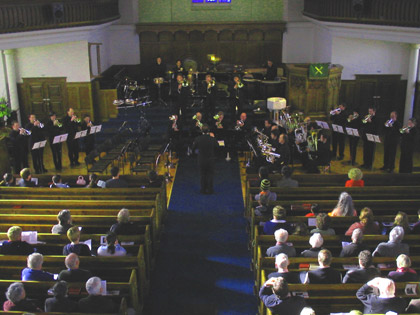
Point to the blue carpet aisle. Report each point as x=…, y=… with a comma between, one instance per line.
x=203, y=261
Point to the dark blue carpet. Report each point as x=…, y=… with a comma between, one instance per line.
x=203, y=261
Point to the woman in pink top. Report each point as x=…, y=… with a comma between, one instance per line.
x=344, y=207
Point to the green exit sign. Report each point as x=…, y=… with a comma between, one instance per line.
x=318, y=70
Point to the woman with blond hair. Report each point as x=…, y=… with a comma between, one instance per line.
x=355, y=178
x=401, y=219
x=344, y=207
x=366, y=223
x=403, y=273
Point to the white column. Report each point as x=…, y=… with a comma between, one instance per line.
x=411, y=81
x=11, y=81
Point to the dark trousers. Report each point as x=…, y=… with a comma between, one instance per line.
x=206, y=177
x=390, y=151
x=368, y=151
x=353, y=141
x=19, y=160
x=38, y=160
x=406, y=159
x=338, y=140
x=56, y=153
x=73, y=151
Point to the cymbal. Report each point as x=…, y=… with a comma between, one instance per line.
x=118, y=102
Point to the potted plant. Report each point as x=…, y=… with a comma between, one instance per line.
x=5, y=111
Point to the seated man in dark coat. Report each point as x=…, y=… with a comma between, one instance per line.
x=15, y=245
x=275, y=296
x=154, y=180
x=95, y=302
x=393, y=247
x=316, y=242
x=115, y=181
x=281, y=236
x=34, y=270
x=60, y=302
x=124, y=226
x=16, y=299
x=365, y=272
x=324, y=274
x=282, y=262
x=403, y=273
x=385, y=302
x=73, y=273
x=355, y=247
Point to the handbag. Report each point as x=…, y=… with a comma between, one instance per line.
x=81, y=181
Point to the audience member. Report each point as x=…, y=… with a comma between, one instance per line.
x=403, y=273
x=115, y=181
x=301, y=229
x=16, y=299
x=281, y=237
x=124, y=226
x=26, y=177
x=365, y=272
x=366, y=223
x=95, y=302
x=355, y=178
x=278, y=222
x=93, y=181
x=385, y=302
x=264, y=198
x=323, y=222
x=286, y=180
x=112, y=248
x=15, y=245
x=325, y=274
x=8, y=180
x=401, y=219
x=64, y=222
x=154, y=180
x=316, y=241
x=282, y=262
x=73, y=273
x=263, y=173
x=60, y=302
x=73, y=234
x=308, y=311
x=356, y=246
x=393, y=247
x=416, y=227
x=315, y=210
x=276, y=297
x=57, y=182
x=33, y=271
x=344, y=207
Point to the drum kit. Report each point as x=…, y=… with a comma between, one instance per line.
x=131, y=94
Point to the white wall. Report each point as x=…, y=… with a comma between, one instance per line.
x=298, y=42
x=293, y=10
x=59, y=60
x=3, y=92
x=322, y=51
x=125, y=45
x=360, y=56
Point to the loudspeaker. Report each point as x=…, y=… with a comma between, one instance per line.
x=358, y=6
x=57, y=10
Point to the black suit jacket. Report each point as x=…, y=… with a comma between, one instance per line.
x=97, y=304
x=361, y=275
x=60, y=305
x=16, y=248
x=116, y=183
x=375, y=305
x=205, y=145
x=326, y=275
x=74, y=275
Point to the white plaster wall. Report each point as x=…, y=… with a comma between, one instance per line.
x=129, y=11
x=293, y=10
x=360, y=56
x=3, y=92
x=298, y=42
x=124, y=45
x=322, y=51
x=59, y=60
x=101, y=36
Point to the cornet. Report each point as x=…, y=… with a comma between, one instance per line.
x=335, y=111
x=366, y=119
x=25, y=132
x=218, y=123
x=57, y=123
x=389, y=123
x=210, y=84
x=40, y=124
x=405, y=129
x=173, y=117
x=76, y=119
x=239, y=125
x=199, y=124
x=353, y=117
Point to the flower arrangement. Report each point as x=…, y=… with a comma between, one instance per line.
x=5, y=111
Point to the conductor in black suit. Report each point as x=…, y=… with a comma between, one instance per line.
x=206, y=144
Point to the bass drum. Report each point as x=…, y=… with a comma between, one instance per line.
x=189, y=64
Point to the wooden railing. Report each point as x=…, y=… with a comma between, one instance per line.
x=383, y=12
x=29, y=15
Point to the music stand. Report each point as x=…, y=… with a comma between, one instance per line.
x=39, y=145
x=375, y=139
x=60, y=138
x=80, y=134
x=95, y=129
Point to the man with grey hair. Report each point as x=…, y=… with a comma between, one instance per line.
x=73, y=273
x=34, y=270
x=356, y=246
x=365, y=272
x=282, y=262
x=393, y=247
x=96, y=302
x=64, y=222
x=15, y=245
x=281, y=236
x=316, y=241
x=16, y=299
x=124, y=226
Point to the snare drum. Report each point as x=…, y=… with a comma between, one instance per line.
x=158, y=80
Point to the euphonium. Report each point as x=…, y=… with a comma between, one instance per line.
x=335, y=111
x=353, y=117
x=389, y=123
x=25, y=132
x=367, y=117
x=405, y=129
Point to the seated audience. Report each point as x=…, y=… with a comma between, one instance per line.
x=263, y=173
x=26, y=177
x=316, y=241
x=365, y=272
x=112, y=248
x=281, y=237
x=57, y=182
x=307, y=311
x=15, y=245
x=416, y=227
x=264, y=198
x=73, y=273
x=8, y=180
x=95, y=302
x=282, y=262
x=356, y=246
x=154, y=180
x=384, y=302
x=16, y=300
x=366, y=223
x=73, y=234
x=286, y=180
x=124, y=226
x=60, y=302
x=93, y=181
x=301, y=229
x=403, y=273
x=344, y=207
x=115, y=181
x=325, y=274
x=64, y=222
x=278, y=222
x=315, y=210
x=355, y=178
x=401, y=219
x=276, y=297
x=323, y=222
x=393, y=247
x=33, y=271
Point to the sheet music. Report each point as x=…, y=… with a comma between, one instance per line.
x=338, y=128
x=42, y=143
x=377, y=139
x=356, y=132
x=63, y=137
x=57, y=139
x=35, y=146
x=349, y=131
x=370, y=137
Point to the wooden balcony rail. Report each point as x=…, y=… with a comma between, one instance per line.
x=382, y=12
x=30, y=15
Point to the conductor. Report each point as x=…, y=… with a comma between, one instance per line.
x=206, y=144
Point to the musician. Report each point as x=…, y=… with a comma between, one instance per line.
x=274, y=137
x=159, y=68
x=89, y=140
x=268, y=124
x=221, y=133
x=174, y=133
x=244, y=124
x=320, y=157
x=353, y=121
x=211, y=97
x=369, y=126
x=54, y=128
x=339, y=117
x=237, y=96
x=18, y=145
x=284, y=150
x=37, y=135
x=271, y=73
x=408, y=139
x=179, y=68
x=180, y=95
x=71, y=125
x=391, y=138
x=194, y=130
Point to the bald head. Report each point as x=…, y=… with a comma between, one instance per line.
x=72, y=261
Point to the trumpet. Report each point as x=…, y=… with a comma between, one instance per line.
x=239, y=125
x=25, y=132
x=239, y=85
x=57, y=123
x=405, y=129
x=366, y=119
x=40, y=124
x=335, y=111
x=210, y=84
x=353, y=117
x=218, y=123
x=173, y=117
x=199, y=124
x=77, y=119
x=389, y=123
